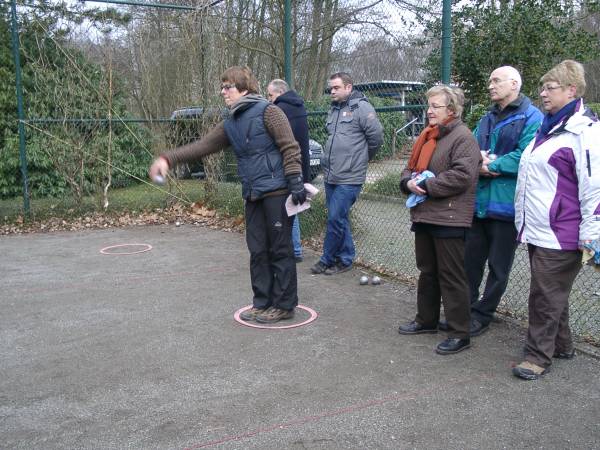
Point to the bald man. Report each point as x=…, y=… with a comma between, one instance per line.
x=502, y=133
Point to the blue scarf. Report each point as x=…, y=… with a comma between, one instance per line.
x=551, y=120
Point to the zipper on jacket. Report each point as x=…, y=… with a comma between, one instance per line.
x=589, y=167
x=332, y=139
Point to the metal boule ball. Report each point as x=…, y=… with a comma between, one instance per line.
x=364, y=280
x=177, y=223
x=376, y=280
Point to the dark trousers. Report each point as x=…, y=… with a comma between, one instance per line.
x=552, y=275
x=494, y=241
x=441, y=263
x=272, y=263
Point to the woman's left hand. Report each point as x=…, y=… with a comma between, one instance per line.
x=412, y=187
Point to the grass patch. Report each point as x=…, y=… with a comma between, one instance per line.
x=141, y=197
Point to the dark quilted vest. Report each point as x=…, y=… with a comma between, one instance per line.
x=259, y=161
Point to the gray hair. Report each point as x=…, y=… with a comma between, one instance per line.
x=279, y=85
x=455, y=97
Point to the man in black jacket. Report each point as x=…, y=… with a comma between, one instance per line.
x=278, y=92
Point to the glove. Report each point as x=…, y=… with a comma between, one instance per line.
x=296, y=188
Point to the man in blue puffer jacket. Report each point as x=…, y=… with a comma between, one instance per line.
x=502, y=133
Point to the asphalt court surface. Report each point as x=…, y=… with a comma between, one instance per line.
x=142, y=351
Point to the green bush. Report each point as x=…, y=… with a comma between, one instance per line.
x=474, y=115
x=313, y=220
x=389, y=185
x=594, y=107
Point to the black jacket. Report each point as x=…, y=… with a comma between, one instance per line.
x=293, y=107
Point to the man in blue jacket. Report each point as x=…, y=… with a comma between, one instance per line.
x=278, y=92
x=354, y=136
x=502, y=134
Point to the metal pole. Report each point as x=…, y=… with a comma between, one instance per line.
x=21, y=114
x=446, y=40
x=287, y=44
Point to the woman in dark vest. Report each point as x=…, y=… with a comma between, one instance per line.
x=269, y=167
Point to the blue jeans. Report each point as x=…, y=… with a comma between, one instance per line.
x=296, y=237
x=338, y=245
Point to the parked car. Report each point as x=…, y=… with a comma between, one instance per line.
x=187, y=126
x=315, y=150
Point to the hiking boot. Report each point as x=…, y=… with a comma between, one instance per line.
x=528, y=371
x=273, y=315
x=250, y=314
x=338, y=268
x=319, y=268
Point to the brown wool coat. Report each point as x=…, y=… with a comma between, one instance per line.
x=451, y=194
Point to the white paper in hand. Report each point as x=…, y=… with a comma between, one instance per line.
x=292, y=209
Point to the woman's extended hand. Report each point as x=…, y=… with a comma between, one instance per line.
x=159, y=167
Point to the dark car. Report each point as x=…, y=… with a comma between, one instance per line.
x=315, y=150
x=188, y=125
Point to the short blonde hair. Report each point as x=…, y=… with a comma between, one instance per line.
x=567, y=73
x=455, y=97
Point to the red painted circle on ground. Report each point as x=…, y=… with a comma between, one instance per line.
x=312, y=312
x=147, y=248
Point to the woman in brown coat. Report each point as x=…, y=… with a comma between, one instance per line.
x=448, y=149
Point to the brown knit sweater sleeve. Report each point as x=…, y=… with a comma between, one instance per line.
x=215, y=140
x=279, y=128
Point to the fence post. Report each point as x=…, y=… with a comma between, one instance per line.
x=22, y=153
x=287, y=42
x=446, y=40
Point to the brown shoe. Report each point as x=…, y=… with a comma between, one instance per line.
x=273, y=315
x=528, y=371
x=250, y=314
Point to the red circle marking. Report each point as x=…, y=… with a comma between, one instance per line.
x=104, y=250
x=312, y=312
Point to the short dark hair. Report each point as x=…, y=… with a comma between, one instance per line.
x=344, y=76
x=242, y=77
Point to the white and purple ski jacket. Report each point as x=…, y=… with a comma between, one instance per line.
x=557, y=200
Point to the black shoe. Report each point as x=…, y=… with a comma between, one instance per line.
x=564, y=355
x=318, y=268
x=338, y=268
x=443, y=325
x=298, y=259
x=415, y=328
x=452, y=345
x=478, y=328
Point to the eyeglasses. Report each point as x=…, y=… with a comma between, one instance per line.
x=437, y=106
x=227, y=86
x=548, y=89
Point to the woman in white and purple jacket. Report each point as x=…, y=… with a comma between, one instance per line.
x=557, y=205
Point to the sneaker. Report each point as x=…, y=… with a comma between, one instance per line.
x=250, y=314
x=273, y=315
x=338, y=268
x=415, y=327
x=528, y=371
x=299, y=259
x=318, y=268
x=478, y=328
x=564, y=355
